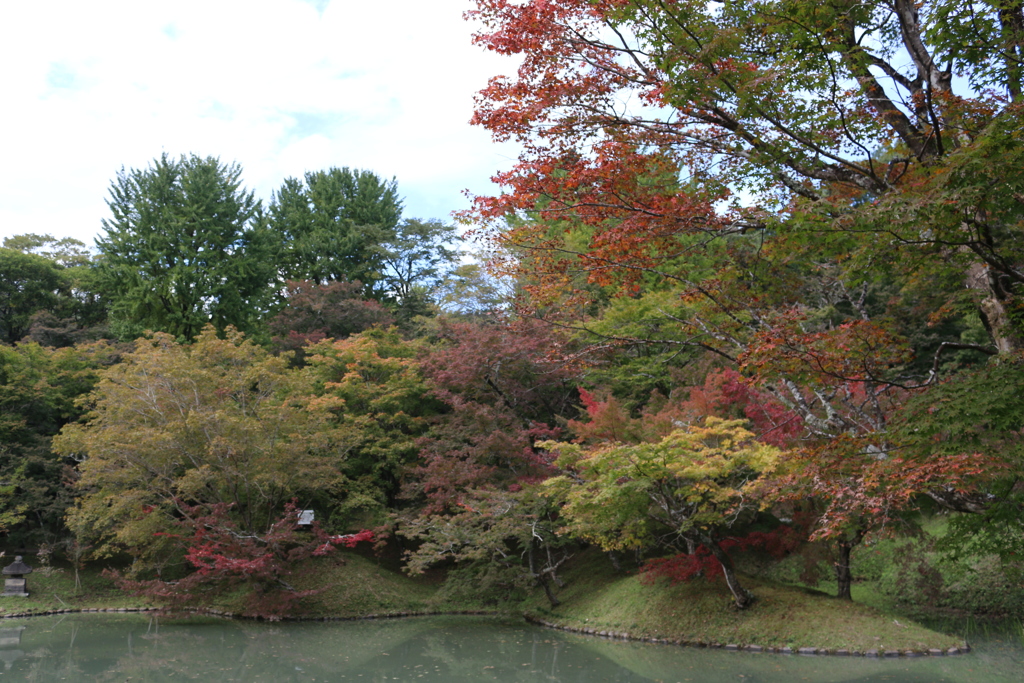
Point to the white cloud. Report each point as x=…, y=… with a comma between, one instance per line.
x=280, y=86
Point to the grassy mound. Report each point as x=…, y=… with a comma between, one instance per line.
x=351, y=585
x=599, y=599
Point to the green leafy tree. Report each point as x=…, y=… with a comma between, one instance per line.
x=976, y=415
x=183, y=248
x=330, y=225
x=695, y=486
x=502, y=540
x=78, y=313
x=66, y=252
x=416, y=260
x=39, y=388
x=12, y=510
x=469, y=291
x=177, y=427
x=28, y=284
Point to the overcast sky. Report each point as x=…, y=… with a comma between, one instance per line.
x=280, y=86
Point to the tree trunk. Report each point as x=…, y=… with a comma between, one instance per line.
x=1011, y=19
x=844, y=577
x=539, y=577
x=614, y=557
x=741, y=596
x=552, y=598
x=994, y=308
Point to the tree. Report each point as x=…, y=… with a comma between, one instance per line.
x=697, y=485
x=225, y=558
x=219, y=421
x=502, y=539
x=469, y=291
x=503, y=395
x=784, y=101
x=183, y=249
x=330, y=225
x=333, y=310
x=797, y=105
x=474, y=488
x=381, y=402
x=416, y=260
x=39, y=392
x=974, y=417
x=66, y=252
x=777, y=190
x=77, y=313
x=29, y=283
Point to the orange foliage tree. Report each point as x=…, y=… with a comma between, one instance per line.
x=777, y=191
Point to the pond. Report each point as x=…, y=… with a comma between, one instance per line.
x=137, y=648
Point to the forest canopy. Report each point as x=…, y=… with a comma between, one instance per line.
x=753, y=284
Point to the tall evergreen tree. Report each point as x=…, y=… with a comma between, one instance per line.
x=184, y=248
x=331, y=224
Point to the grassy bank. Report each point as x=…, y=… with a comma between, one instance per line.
x=55, y=588
x=599, y=599
x=348, y=585
x=595, y=598
x=351, y=585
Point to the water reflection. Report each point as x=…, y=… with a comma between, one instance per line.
x=449, y=649
x=10, y=646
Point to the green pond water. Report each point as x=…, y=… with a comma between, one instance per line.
x=138, y=648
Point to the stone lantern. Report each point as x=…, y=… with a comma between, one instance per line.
x=14, y=583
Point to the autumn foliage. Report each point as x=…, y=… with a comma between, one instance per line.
x=755, y=261
x=502, y=392
x=222, y=557
x=684, y=567
x=332, y=310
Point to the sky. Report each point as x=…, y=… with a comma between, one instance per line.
x=279, y=86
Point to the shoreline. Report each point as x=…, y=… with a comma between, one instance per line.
x=199, y=611
x=530, y=619
x=595, y=601
x=734, y=647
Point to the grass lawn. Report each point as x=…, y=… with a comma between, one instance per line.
x=55, y=588
x=597, y=598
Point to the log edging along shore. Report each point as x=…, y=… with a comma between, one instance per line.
x=735, y=647
x=616, y=635
x=230, y=615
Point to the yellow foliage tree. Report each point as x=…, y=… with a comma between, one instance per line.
x=177, y=427
x=693, y=486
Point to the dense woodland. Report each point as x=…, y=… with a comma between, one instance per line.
x=753, y=285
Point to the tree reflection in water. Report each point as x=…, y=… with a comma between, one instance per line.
x=421, y=649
